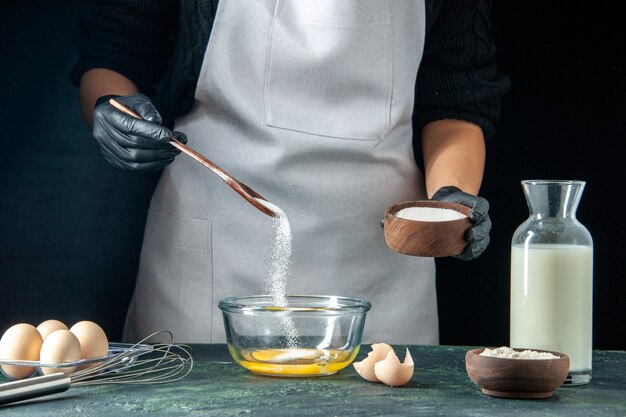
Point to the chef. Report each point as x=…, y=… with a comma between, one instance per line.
x=311, y=104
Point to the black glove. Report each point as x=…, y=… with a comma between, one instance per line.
x=477, y=236
x=133, y=144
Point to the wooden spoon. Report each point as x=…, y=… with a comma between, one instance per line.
x=246, y=192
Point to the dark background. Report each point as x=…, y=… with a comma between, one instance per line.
x=71, y=225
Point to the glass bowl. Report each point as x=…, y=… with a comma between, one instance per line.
x=314, y=335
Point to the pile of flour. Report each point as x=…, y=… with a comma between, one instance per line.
x=510, y=353
x=429, y=214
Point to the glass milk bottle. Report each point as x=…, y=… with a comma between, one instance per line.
x=552, y=276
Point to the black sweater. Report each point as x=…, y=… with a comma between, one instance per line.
x=163, y=42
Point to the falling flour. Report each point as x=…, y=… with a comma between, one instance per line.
x=279, y=260
x=509, y=353
x=429, y=214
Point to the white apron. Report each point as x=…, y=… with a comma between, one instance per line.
x=309, y=103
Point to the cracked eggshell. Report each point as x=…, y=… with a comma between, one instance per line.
x=391, y=372
x=365, y=368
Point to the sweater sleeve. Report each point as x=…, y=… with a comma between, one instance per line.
x=131, y=37
x=458, y=78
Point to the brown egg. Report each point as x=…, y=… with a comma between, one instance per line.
x=59, y=346
x=93, y=340
x=48, y=326
x=20, y=342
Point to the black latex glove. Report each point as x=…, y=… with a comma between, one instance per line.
x=477, y=236
x=133, y=144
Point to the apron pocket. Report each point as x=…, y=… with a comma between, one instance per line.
x=174, y=285
x=328, y=69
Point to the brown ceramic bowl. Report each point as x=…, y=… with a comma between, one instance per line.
x=426, y=238
x=517, y=378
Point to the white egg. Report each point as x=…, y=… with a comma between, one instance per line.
x=60, y=346
x=20, y=342
x=93, y=340
x=48, y=326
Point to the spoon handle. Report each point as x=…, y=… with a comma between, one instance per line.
x=242, y=189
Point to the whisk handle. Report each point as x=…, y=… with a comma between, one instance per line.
x=38, y=386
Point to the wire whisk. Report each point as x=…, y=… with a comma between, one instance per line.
x=162, y=363
x=139, y=364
